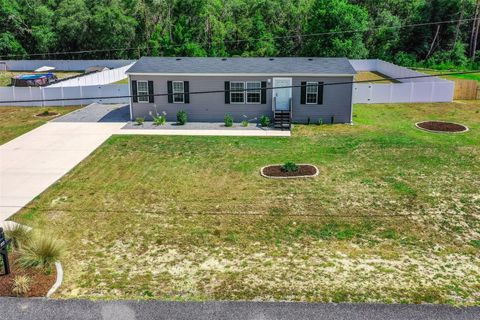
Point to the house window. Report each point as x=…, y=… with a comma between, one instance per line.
x=142, y=91
x=178, y=92
x=312, y=93
x=254, y=91
x=237, y=92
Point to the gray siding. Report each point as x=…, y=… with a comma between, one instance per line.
x=212, y=107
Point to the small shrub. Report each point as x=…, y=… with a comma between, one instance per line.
x=289, y=167
x=320, y=121
x=160, y=120
x=20, y=235
x=45, y=113
x=41, y=251
x=139, y=121
x=228, y=120
x=181, y=117
x=244, y=123
x=264, y=121
x=21, y=285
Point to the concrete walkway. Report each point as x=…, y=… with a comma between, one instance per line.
x=32, y=162
x=33, y=309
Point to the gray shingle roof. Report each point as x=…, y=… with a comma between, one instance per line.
x=285, y=66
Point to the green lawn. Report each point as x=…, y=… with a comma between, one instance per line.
x=468, y=76
x=19, y=120
x=393, y=216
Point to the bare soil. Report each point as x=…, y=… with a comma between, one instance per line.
x=276, y=171
x=442, y=126
x=40, y=282
x=47, y=114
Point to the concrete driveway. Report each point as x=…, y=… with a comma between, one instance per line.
x=32, y=162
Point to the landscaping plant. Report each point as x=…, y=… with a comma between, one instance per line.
x=228, y=120
x=41, y=251
x=139, y=121
x=289, y=167
x=182, y=117
x=244, y=123
x=160, y=120
x=19, y=234
x=21, y=285
x=264, y=121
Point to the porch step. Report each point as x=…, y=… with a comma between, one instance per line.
x=281, y=120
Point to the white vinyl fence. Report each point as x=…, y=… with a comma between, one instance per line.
x=80, y=92
x=429, y=89
x=97, y=78
x=63, y=65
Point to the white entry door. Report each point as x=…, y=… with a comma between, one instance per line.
x=282, y=96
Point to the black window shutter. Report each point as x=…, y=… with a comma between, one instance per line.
x=186, y=91
x=170, y=91
x=264, y=92
x=134, y=91
x=303, y=93
x=227, y=92
x=151, y=96
x=320, y=93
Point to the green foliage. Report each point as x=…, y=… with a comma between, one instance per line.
x=244, y=123
x=159, y=120
x=182, y=117
x=289, y=167
x=264, y=121
x=41, y=251
x=228, y=120
x=240, y=28
x=139, y=121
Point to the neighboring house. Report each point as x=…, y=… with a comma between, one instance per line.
x=245, y=88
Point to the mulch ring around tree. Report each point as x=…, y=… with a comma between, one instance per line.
x=40, y=282
x=441, y=126
x=46, y=114
x=276, y=172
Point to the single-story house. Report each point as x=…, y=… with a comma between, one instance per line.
x=298, y=89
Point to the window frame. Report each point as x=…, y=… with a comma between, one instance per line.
x=237, y=92
x=311, y=84
x=181, y=93
x=259, y=91
x=144, y=94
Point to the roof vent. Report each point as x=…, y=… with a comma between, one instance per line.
x=271, y=59
x=178, y=59
x=224, y=59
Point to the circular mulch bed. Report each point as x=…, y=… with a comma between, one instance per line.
x=46, y=114
x=40, y=282
x=276, y=172
x=441, y=126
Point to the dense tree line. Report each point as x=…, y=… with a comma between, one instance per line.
x=242, y=28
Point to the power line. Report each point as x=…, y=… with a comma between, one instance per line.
x=414, y=25
x=244, y=90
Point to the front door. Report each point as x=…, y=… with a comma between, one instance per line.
x=282, y=96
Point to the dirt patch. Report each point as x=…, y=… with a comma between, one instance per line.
x=47, y=114
x=40, y=282
x=275, y=171
x=441, y=126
